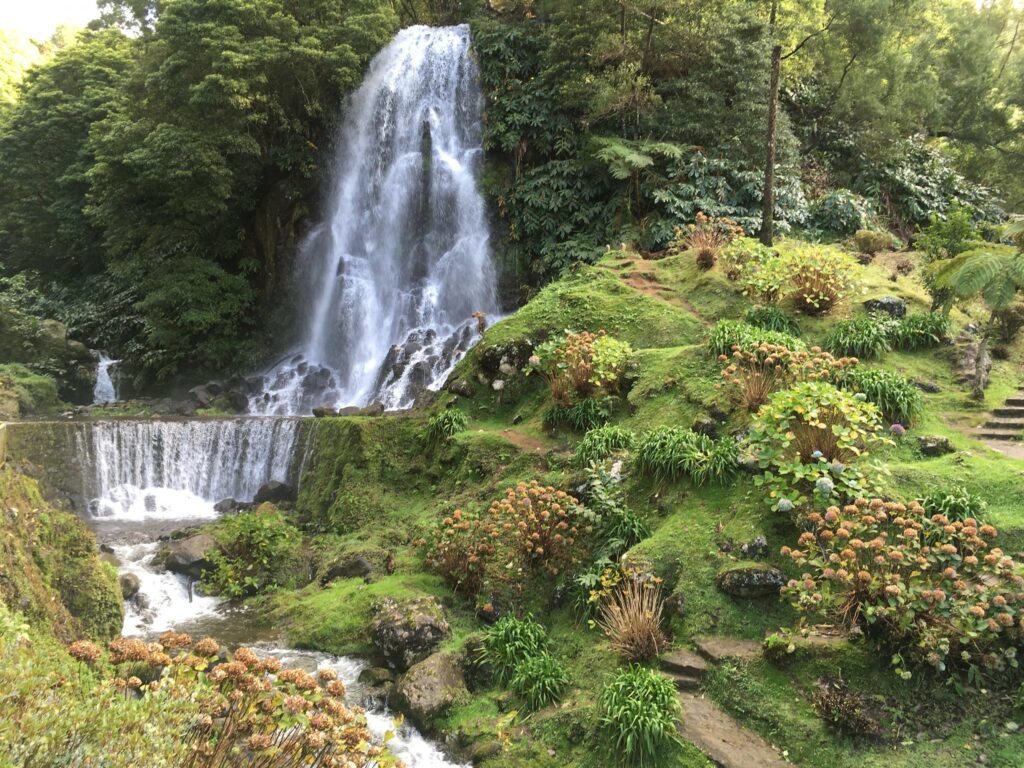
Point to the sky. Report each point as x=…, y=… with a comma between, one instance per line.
x=39, y=18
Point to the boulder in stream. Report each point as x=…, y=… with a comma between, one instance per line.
x=407, y=631
x=189, y=556
x=274, y=491
x=129, y=585
x=430, y=687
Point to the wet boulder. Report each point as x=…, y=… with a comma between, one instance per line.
x=893, y=306
x=229, y=506
x=189, y=556
x=748, y=581
x=934, y=445
x=129, y=585
x=274, y=491
x=356, y=568
x=430, y=688
x=406, y=632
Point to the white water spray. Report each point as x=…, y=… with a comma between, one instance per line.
x=104, y=390
x=393, y=276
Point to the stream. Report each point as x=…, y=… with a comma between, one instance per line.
x=146, y=479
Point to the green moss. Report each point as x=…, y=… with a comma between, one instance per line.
x=31, y=393
x=52, y=570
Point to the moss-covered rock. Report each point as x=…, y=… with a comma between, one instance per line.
x=50, y=569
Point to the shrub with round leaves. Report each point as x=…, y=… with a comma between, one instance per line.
x=581, y=365
x=813, y=441
x=937, y=591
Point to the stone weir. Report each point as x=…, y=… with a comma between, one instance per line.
x=212, y=458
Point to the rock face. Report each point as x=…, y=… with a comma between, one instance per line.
x=274, y=492
x=129, y=585
x=934, y=445
x=189, y=557
x=889, y=305
x=430, y=687
x=751, y=581
x=408, y=631
x=357, y=567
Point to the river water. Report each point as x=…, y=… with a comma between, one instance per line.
x=150, y=478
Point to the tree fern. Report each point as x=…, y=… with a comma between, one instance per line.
x=994, y=273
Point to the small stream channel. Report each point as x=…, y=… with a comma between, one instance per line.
x=145, y=479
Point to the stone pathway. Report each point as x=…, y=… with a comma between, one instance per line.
x=709, y=728
x=1005, y=430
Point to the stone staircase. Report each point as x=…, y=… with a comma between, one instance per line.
x=713, y=731
x=1007, y=422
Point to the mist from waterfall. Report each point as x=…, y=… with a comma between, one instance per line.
x=104, y=391
x=389, y=282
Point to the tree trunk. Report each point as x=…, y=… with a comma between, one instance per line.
x=768, y=205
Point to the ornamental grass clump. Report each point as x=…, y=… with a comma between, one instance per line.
x=919, y=330
x=580, y=365
x=935, y=591
x=760, y=370
x=729, y=333
x=509, y=642
x=669, y=454
x=771, y=318
x=954, y=502
x=631, y=618
x=443, y=426
x=640, y=710
x=895, y=395
x=707, y=236
x=534, y=534
x=601, y=442
x=864, y=337
x=540, y=680
x=813, y=442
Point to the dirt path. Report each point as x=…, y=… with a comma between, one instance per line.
x=639, y=275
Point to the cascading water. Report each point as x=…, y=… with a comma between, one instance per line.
x=104, y=391
x=392, y=278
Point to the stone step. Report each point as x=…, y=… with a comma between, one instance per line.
x=684, y=662
x=1014, y=401
x=1004, y=423
x=1000, y=434
x=1016, y=411
x=722, y=739
x=686, y=683
x=714, y=649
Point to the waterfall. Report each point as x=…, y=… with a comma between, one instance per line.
x=104, y=391
x=146, y=469
x=391, y=280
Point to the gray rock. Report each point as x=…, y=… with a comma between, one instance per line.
x=322, y=411
x=751, y=581
x=202, y=396
x=705, y=426
x=274, y=491
x=189, y=556
x=934, y=445
x=229, y=506
x=357, y=567
x=889, y=305
x=375, y=676
x=460, y=387
x=675, y=604
x=430, y=688
x=405, y=632
x=129, y=585
x=928, y=387
x=755, y=549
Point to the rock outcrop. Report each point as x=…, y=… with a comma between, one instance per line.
x=406, y=632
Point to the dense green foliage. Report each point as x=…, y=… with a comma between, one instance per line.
x=640, y=710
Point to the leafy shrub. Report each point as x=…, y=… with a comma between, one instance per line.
x=630, y=617
x=532, y=533
x=669, y=454
x=947, y=236
x=580, y=365
x=865, y=337
x=616, y=527
x=640, y=709
x=761, y=370
x=540, y=679
x=935, y=590
x=871, y=242
x=954, y=502
x=256, y=551
x=601, y=442
x=816, y=279
x=841, y=211
x=509, y=642
x=443, y=426
x=898, y=399
x=581, y=416
x=810, y=440
x=743, y=251
x=919, y=330
x=730, y=333
x=175, y=702
x=772, y=318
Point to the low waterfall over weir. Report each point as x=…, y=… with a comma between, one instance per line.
x=389, y=282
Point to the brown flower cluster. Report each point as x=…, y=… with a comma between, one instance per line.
x=280, y=718
x=758, y=371
x=532, y=530
x=936, y=588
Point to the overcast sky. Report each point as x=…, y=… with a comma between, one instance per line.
x=39, y=18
